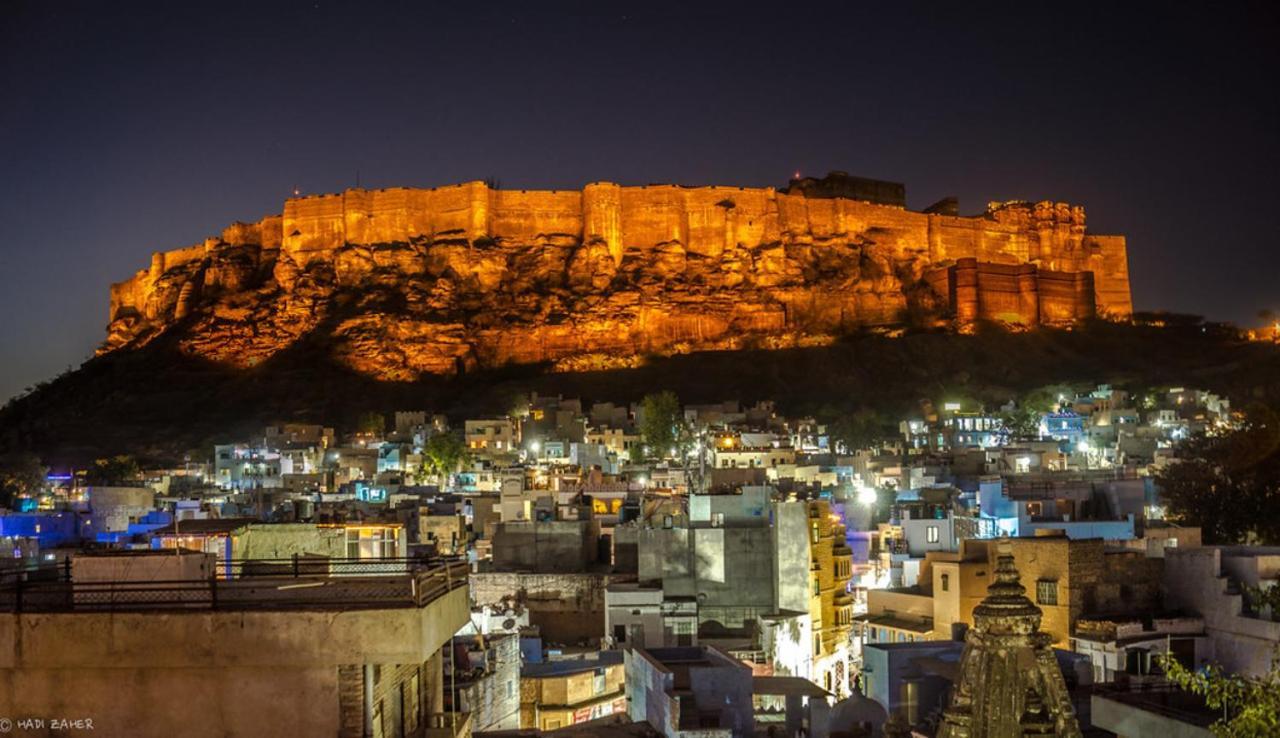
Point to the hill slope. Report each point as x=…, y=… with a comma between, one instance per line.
x=158, y=402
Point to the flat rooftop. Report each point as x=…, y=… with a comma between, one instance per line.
x=408, y=584
x=1162, y=699
x=563, y=667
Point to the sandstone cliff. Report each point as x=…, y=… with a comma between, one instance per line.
x=405, y=282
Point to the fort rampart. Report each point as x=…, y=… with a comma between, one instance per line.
x=1017, y=262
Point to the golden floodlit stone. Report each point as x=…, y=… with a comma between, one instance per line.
x=406, y=282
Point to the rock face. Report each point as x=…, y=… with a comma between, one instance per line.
x=402, y=282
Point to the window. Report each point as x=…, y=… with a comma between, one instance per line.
x=946, y=582
x=372, y=543
x=931, y=534
x=1047, y=592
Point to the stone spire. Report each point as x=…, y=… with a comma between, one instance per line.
x=1010, y=685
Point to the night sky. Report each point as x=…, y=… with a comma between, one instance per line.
x=127, y=128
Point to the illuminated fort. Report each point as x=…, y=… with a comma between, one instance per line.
x=442, y=279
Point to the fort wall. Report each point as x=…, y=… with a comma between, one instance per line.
x=703, y=220
x=1022, y=294
x=1017, y=262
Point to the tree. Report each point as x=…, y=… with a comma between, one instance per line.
x=117, y=471
x=662, y=427
x=862, y=429
x=1251, y=707
x=442, y=453
x=1229, y=485
x=21, y=475
x=371, y=422
x=1024, y=420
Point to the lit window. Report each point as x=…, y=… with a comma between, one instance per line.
x=931, y=534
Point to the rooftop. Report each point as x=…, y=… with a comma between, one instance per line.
x=565, y=667
x=205, y=527
x=292, y=584
x=1161, y=699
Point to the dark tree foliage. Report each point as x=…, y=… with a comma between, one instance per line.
x=21, y=475
x=662, y=426
x=1229, y=484
x=371, y=422
x=117, y=471
x=1023, y=421
x=442, y=454
x=863, y=428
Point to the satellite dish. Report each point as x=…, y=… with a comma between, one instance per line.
x=509, y=624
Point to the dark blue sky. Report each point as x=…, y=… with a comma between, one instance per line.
x=127, y=128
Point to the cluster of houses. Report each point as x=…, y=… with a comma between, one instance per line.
x=759, y=575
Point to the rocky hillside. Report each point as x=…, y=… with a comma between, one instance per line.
x=401, y=310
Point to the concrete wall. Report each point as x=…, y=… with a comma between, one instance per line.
x=966, y=587
x=546, y=546
x=887, y=665
x=1089, y=580
x=207, y=673
x=113, y=508
x=916, y=533
x=283, y=540
x=791, y=554
x=494, y=699
x=568, y=608
x=448, y=531
x=639, y=612
x=1194, y=579
x=552, y=701
x=719, y=685
x=730, y=571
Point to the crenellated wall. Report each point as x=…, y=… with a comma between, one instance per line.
x=1026, y=262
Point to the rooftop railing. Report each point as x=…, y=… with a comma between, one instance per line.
x=304, y=583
